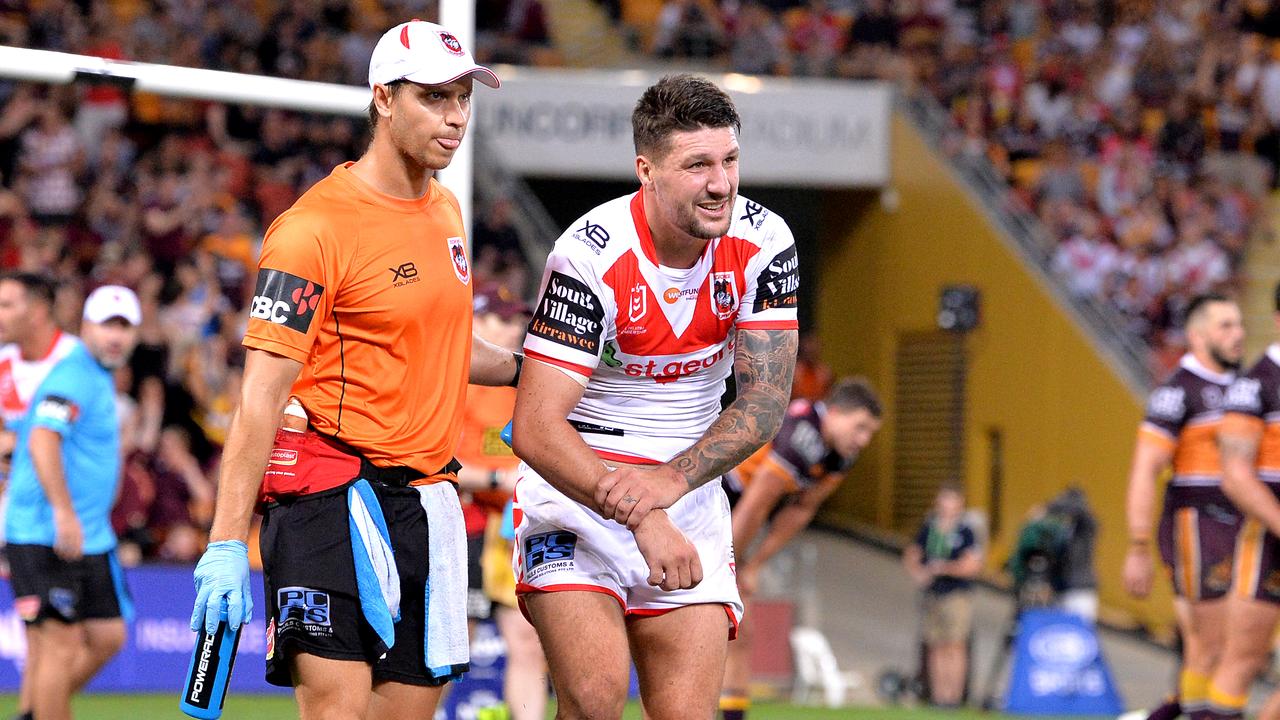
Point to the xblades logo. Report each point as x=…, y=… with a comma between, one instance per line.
x=755, y=214
x=594, y=236
x=403, y=275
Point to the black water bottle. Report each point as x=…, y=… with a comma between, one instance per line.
x=211, y=661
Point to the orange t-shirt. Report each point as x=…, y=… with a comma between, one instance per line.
x=372, y=294
x=487, y=411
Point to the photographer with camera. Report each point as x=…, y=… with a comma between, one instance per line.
x=1052, y=564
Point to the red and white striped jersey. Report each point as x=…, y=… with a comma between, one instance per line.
x=657, y=343
x=20, y=378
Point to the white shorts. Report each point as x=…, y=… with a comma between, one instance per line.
x=562, y=545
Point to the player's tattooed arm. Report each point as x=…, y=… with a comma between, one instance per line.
x=1238, y=446
x=764, y=365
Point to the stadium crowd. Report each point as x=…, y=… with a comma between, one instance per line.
x=99, y=186
x=1143, y=133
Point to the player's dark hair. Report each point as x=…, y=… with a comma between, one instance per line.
x=679, y=103
x=851, y=394
x=1198, y=304
x=951, y=486
x=37, y=286
x=393, y=87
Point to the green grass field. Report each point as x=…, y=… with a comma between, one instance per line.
x=253, y=707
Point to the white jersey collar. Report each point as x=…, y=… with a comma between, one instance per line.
x=1190, y=363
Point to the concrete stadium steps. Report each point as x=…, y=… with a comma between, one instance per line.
x=585, y=35
x=1261, y=273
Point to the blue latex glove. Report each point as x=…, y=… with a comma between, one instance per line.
x=506, y=433
x=223, y=572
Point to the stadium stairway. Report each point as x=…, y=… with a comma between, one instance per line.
x=1261, y=272
x=585, y=36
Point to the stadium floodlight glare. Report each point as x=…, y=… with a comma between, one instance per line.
x=170, y=80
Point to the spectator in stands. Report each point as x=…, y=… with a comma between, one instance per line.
x=872, y=44
x=182, y=507
x=1060, y=180
x=815, y=38
x=943, y=561
x=496, y=242
x=1182, y=137
x=50, y=158
x=1086, y=262
x=689, y=29
x=524, y=36
x=102, y=107
x=759, y=43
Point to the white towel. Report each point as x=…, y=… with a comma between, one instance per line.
x=445, y=645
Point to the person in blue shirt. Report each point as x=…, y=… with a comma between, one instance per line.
x=67, y=584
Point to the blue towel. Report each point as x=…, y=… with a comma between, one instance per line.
x=377, y=579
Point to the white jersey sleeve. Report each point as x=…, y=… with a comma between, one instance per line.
x=772, y=277
x=568, y=325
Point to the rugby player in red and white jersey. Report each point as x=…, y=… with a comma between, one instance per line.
x=648, y=302
x=32, y=342
x=32, y=345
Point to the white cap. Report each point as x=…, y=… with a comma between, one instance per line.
x=110, y=301
x=423, y=52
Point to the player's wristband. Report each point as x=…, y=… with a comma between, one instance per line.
x=515, y=379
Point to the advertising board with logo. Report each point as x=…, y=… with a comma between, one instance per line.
x=1058, y=668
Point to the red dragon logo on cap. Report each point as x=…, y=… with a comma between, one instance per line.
x=451, y=43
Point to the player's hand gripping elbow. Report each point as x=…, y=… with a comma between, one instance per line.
x=673, y=560
x=223, y=572
x=1138, y=570
x=628, y=494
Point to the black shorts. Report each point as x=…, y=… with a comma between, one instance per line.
x=313, y=602
x=46, y=587
x=479, y=606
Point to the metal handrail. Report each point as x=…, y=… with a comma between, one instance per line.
x=533, y=224
x=1030, y=237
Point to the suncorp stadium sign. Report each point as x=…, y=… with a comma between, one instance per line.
x=577, y=124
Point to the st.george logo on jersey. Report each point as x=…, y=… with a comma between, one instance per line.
x=458, y=254
x=724, y=294
x=639, y=304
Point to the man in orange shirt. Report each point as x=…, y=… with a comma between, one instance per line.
x=363, y=314
x=489, y=475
